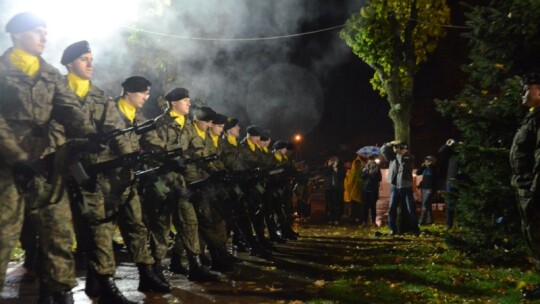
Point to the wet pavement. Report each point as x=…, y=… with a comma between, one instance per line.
x=291, y=276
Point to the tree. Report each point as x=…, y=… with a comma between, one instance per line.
x=394, y=37
x=503, y=41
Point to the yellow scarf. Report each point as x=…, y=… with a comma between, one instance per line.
x=265, y=149
x=78, y=85
x=201, y=133
x=232, y=140
x=25, y=62
x=215, y=139
x=179, y=118
x=278, y=156
x=128, y=110
x=251, y=145
x=286, y=157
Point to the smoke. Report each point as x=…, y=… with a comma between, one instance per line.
x=230, y=76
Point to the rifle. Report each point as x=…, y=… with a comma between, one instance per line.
x=82, y=174
x=176, y=166
x=236, y=176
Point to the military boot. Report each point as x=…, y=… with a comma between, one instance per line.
x=200, y=273
x=220, y=261
x=63, y=297
x=157, y=267
x=91, y=287
x=176, y=264
x=260, y=251
x=109, y=292
x=149, y=281
x=45, y=297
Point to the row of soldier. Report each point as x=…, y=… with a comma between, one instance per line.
x=70, y=154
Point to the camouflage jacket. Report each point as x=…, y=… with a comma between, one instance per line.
x=198, y=171
x=253, y=159
x=231, y=155
x=525, y=153
x=26, y=106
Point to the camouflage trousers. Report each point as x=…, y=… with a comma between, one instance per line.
x=159, y=213
x=529, y=210
x=111, y=205
x=212, y=222
x=53, y=222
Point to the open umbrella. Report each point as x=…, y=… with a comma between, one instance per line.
x=368, y=150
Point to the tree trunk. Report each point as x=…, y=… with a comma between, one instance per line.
x=400, y=113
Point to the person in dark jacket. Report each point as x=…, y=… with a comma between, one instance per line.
x=400, y=177
x=371, y=174
x=334, y=176
x=448, y=153
x=428, y=186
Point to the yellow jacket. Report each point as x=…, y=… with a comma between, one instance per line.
x=353, y=182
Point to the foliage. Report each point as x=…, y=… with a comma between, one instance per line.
x=394, y=37
x=487, y=113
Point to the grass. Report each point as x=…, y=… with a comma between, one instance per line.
x=410, y=269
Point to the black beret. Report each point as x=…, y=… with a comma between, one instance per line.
x=254, y=130
x=219, y=119
x=530, y=78
x=23, y=22
x=204, y=114
x=230, y=123
x=265, y=135
x=75, y=51
x=177, y=94
x=280, y=144
x=136, y=84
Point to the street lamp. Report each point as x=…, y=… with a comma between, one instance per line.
x=298, y=141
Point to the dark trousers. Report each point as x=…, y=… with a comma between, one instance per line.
x=403, y=197
x=334, y=204
x=370, y=201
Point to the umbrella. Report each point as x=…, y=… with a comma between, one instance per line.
x=368, y=150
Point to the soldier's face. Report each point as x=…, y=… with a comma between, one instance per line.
x=234, y=131
x=137, y=99
x=216, y=129
x=83, y=66
x=203, y=125
x=531, y=95
x=32, y=41
x=181, y=106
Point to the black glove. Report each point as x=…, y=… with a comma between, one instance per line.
x=95, y=143
x=24, y=169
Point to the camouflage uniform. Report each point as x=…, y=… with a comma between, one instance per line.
x=88, y=203
x=25, y=111
x=255, y=189
x=525, y=162
x=124, y=199
x=160, y=207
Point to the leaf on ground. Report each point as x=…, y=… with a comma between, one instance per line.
x=521, y=284
x=272, y=288
x=319, y=283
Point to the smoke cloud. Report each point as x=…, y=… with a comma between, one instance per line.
x=263, y=82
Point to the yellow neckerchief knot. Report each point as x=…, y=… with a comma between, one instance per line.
x=278, y=156
x=215, y=139
x=27, y=63
x=127, y=109
x=232, y=140
x=179, y=118
x=251, y=145
x=533, y=108
x=78, y=85
x=202, y=134
x=285, y=157
x=265, y=149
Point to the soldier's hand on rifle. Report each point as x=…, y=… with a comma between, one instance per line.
x=95, y=143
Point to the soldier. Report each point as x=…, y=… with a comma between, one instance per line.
x=210, y=196
x=92, y=207
x=30, y=86
x=177, y=201
x=255, y=188
x=233, y=159
x=524, y=159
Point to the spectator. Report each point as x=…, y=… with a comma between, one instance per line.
x=371, y=175
x=428, y=186
x=448, y=153
x=401, y=181
x=334, y=175
x=353, y=189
